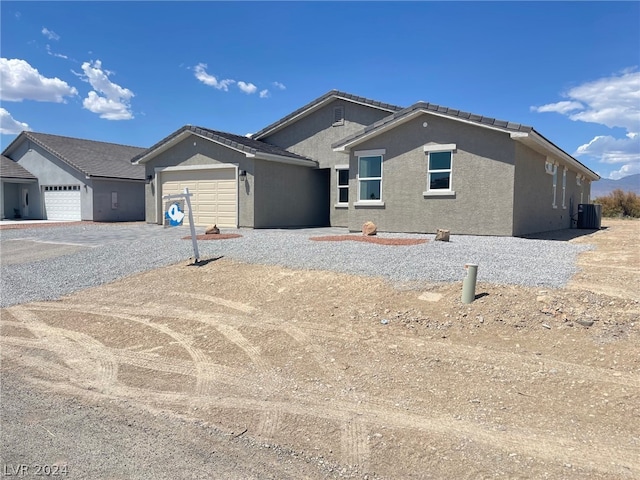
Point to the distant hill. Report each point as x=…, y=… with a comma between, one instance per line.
x=604, y=186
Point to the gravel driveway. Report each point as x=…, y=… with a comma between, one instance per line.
x=45, y=263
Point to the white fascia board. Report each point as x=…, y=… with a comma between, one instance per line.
x=289, y=160
x=342, y=166
x=550, y=149
x=377, y=131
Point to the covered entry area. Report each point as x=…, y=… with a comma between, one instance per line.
x=214, y=189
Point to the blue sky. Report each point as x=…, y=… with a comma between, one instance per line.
x=134, y=72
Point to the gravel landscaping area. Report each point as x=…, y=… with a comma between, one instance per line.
x=115, y=251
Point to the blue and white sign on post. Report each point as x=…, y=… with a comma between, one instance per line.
x=174, y=215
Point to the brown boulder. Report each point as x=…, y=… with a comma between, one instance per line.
x=442, y=235
x=369, y=228
x=212, y=230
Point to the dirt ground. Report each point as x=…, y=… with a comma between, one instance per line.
x=351, y=376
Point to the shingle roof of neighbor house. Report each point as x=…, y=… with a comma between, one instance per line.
x=11, y=169
x=317, y=103
x=238, y=142
x=94, y=159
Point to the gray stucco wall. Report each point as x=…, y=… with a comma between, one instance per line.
x=482, y=178
x=50, y=171
x=313, y=135
x=194, y=151
x=130, y=201
x=533, y=197
x=289, y=195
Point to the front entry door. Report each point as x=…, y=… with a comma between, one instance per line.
x=25, y=202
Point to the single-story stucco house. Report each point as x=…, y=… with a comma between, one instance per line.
x=342, y=160
x=61, y=178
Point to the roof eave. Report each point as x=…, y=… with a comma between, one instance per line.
x=536, y=141
x=288, y=160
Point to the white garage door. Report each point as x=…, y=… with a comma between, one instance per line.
x=214, y=199
x=62, y=202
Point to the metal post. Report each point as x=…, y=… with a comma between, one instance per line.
x=194, y=240
x=469, y=283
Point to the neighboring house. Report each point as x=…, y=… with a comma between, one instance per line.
x=14, y=186
x=342, y=160
x=71, y=179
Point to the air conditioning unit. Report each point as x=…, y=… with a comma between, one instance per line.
x=589, y=216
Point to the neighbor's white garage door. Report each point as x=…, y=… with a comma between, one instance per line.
x=62, y=202
x=214, y=199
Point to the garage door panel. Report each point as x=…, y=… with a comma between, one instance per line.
x=62, y=204
x=214, y=199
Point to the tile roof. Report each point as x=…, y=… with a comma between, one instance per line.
x=440, y=110
x=11, y=169
x=94, y=159
x=320, y=100
x=238, y=142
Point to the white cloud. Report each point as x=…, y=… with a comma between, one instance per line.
x=264, y=93
x=611, y=149
x=20, y=81
x=247, y=88
x=53, y=54
x=559, y=107
x=279, y=86
x=9, y=125
x=114, y=103
x=613, y=102
x=50, y=34
x=625, y=171
x=202, y=75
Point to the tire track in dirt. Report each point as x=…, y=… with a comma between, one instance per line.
x=269, y=423
x=14, y=348
x=243, y=307
x=523, y=442
x=94, y=361
x=201, y=361
x=354, y=443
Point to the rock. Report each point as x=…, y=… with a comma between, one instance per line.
x=369, y=228
x=442, y=235
x=585, y=323
x=212, y=230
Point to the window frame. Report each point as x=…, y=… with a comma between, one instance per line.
x=341, y=168
x=551, y=168
x=370, y=153
x=439, y=148
x=564, y=188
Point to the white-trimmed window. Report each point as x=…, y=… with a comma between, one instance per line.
x=439, y=168
x=564, y=187
x=552, y=169
x=338, y=115
x=370, y=175
x=342, y=182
